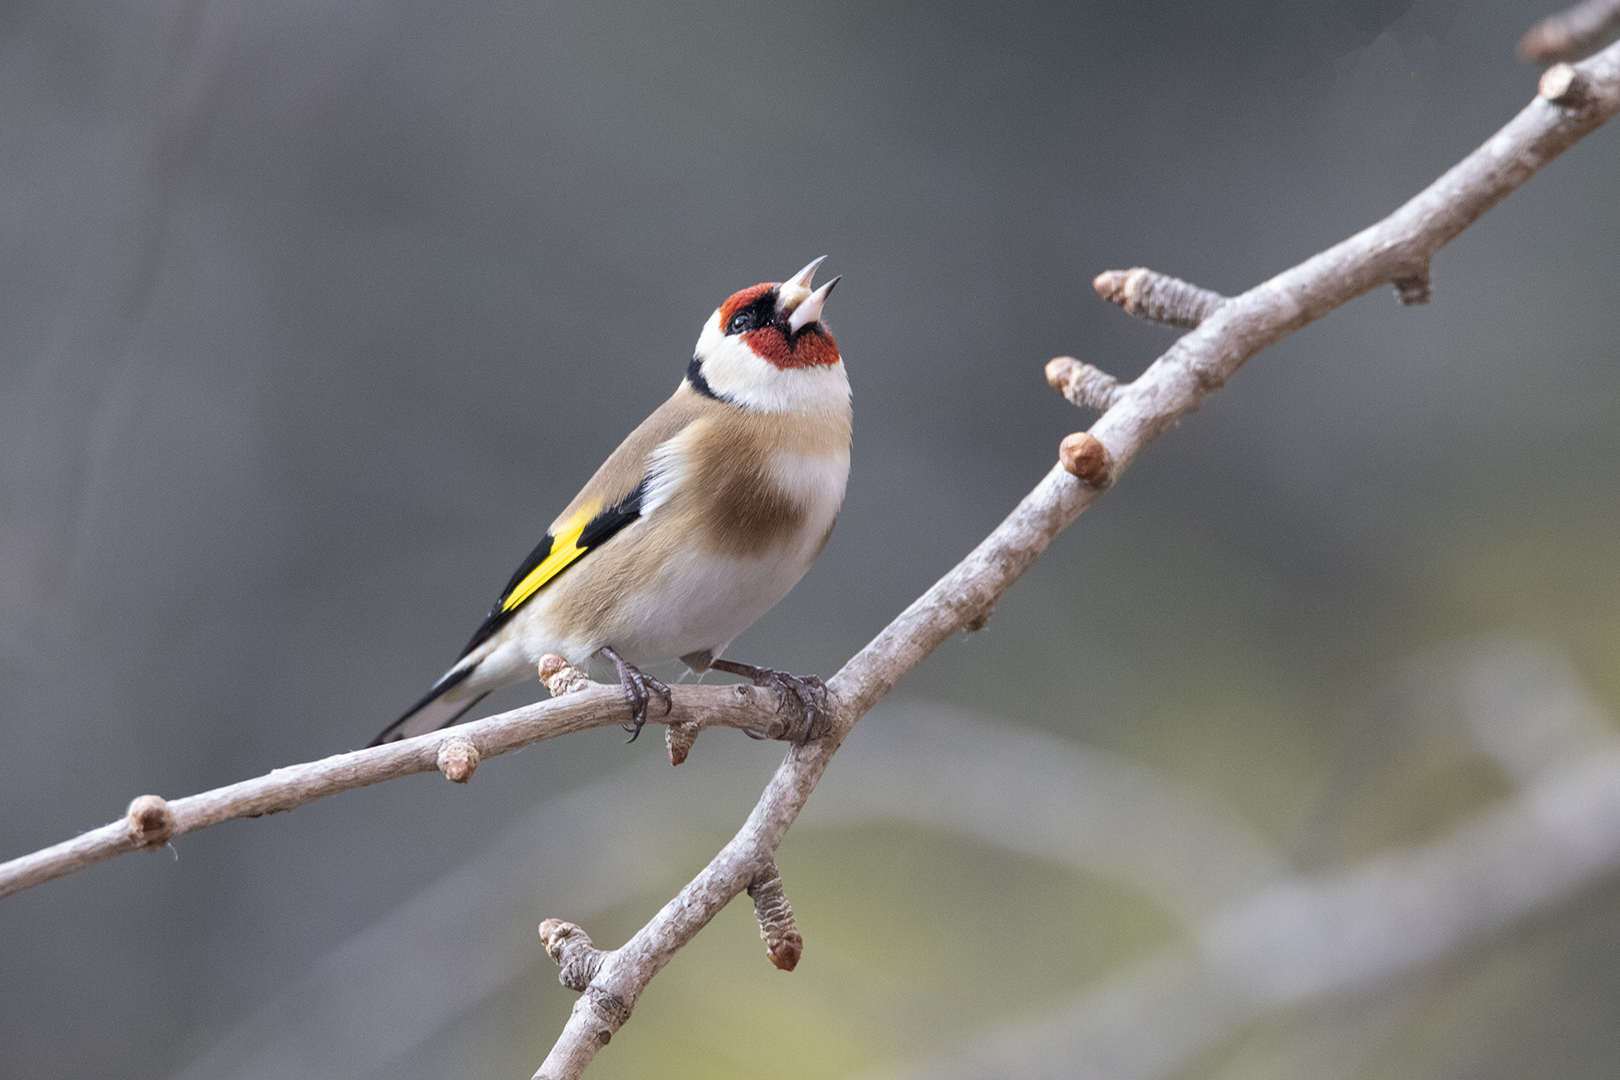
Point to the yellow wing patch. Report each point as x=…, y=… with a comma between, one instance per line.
x=564, y=550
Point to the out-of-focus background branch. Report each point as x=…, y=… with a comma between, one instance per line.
x=1572, y=33
x=313, y=317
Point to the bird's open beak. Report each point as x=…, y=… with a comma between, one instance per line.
x=796, y=289
x=810, y=311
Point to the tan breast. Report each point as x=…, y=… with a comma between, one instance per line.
x=741, y=503
x=753, y=482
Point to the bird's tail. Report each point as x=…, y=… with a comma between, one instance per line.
x=442, y=707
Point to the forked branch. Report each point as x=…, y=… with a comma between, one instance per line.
x=1395, y=251
x=1228, y=331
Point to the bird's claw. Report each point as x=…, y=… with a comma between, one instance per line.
x=808, y=690
x=639, y=689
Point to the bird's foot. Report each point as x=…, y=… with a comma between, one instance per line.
x=639, y=688
x=809, y=691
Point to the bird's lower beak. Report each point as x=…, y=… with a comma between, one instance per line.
x=810, y=310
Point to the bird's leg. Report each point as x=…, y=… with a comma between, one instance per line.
x=700, y=662
x=810, y=691
x=639, y=687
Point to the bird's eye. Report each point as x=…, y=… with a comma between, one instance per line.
x=749, y=310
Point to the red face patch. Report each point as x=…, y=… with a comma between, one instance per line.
x=769, y=344
x=810, y=347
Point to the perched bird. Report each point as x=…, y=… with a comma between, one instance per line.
x=693, y=528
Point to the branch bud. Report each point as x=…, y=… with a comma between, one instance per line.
x=560, y=676
x=783, y=943
x=571, y=948
x=151, y=822
x=678, y=739
x=458, y=758
x=1082, y=384
x=1157, y=297
x=1413, y=288
x=1086, y=458
x=1564, y=85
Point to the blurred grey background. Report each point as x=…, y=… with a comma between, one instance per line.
x=313, y=315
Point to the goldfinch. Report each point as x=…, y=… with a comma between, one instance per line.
x=693, y=528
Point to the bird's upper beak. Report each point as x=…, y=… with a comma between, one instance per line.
x=795, y=298
x=804, y=277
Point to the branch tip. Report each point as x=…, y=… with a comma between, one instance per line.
x=678, y=739
x=783, y=943
x=1564, y=85
x=1084, y=385
x=1085, y=457
x=1414, y=288
x=458, y=758
x=151, y=822
x=560, y=676
x=1157, y=297
x=571, y=948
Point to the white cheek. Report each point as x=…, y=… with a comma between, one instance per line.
x=735, y=371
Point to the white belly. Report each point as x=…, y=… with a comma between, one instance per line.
x=704, y=604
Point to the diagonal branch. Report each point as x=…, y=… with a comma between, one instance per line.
x=1396, y=250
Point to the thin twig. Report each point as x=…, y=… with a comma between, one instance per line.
x=1084, y=385
x=597, y=705
x=783, y=943
x=1157, y=297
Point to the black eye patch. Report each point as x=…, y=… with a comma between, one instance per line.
x=761, y=312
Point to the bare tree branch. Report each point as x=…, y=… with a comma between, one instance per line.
x=591, y=849
x=1396, y=250
x=152, y=822
x=942, y=768
x=1571, y=34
